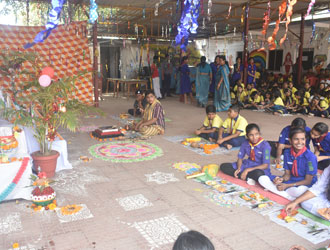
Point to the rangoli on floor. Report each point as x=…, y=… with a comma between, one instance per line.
x=160, y=231
x=82, y=213
x=161, y=178
x=134, y=202
x=10, y=223
x=125, y=151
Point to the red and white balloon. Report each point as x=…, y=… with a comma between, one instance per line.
x=46, y=76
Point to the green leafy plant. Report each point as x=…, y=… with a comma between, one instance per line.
x=44, y=109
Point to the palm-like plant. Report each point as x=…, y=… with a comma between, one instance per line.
x=44, y=109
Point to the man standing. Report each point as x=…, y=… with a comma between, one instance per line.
x=167, y=70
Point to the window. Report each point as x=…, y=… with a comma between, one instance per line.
x=275, y=60
x=307, y=59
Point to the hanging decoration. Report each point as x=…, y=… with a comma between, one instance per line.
x=156, y=9
x=177, y=6
x=229, y=10
x=289, y=13
x=166, y=31
x=163, y=31
x=188, y=22
x=209, y=7
x=111, y=13
x=128, y=25
x=136, y=30
x=93, y=11
x=54, y=16
x=266, y=21
x=242, y=16
x=235, y=31
x=215, y=29
x=310, y=6
x=144, y=13
x=313, y=32
x=272, y=39
x=203, y=27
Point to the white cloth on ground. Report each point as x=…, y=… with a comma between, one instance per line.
x=58, y=145
x=266, y=182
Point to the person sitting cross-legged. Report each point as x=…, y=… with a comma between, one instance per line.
x=153, y=121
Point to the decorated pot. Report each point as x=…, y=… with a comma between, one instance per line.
x=43, y=197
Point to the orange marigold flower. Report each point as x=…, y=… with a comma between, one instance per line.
x=15, y=245
x=52, y=206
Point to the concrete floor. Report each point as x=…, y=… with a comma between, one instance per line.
x=165, y=209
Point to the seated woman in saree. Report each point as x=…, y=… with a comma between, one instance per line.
x=222, y=99
x=153, y=121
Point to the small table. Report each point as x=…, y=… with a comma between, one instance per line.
x=128, y=82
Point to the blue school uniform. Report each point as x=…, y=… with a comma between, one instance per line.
x=284, y=136
x=323, y=146
x=252, y=69
x=262, y=156
x=306, y=164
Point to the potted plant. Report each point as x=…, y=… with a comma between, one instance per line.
x=41, y=103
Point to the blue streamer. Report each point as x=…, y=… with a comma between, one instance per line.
x=188, y=22
x=54, y=16
x=93, y=12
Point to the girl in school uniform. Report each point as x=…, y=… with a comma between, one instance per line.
x=301, y=102
x=321, y=140
x=258, y=152
x=300, y=166
x=317, y=197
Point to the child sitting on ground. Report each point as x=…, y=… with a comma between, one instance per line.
x=321, y=141
x=277, y=106
x=211, y=125
x=139, y=104
x=258, y=152
x=300, y=166
x=232, y=131
x=255, y=102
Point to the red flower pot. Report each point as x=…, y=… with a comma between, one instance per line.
x=47, y=163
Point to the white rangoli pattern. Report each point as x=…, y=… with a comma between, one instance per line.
x=161, y=178
x=134, y=202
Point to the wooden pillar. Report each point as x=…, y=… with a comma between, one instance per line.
x=302, y=23
x=95, y=66
x=246, y=42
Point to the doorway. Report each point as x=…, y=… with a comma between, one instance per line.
x=110, y=57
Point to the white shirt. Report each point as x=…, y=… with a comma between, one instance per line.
x=320, y=187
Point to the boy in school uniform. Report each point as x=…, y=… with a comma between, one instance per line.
x=211, y=125
x=321, y=140
x=232, y=132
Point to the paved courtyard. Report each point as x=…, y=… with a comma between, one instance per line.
x=128, y=205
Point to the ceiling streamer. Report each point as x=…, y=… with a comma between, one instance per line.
x=289, y=13
x=272, y=39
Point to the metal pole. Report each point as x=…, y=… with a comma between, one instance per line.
x=246, y=42
x=95, y=66
x=302, y=23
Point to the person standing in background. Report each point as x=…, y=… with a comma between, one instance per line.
x=203, y=80
x=238, y=71
x=185, y=85
x=252, y=70
x=155, y=78
x=167, y=70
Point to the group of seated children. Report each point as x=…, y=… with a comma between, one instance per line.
x=299, y=184
x=283, y=98
x=230, y=133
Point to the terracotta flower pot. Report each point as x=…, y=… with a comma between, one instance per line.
x=47, y=163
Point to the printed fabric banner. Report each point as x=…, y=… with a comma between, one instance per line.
x=65, y=50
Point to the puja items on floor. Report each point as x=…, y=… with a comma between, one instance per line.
x=108, y=133
x=288, y=218
x=42, y=196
